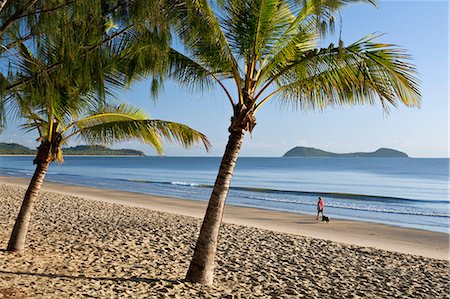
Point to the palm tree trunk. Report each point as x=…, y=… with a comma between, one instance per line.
x=201, y=269
x=19, y=233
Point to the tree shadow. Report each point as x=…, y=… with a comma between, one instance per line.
x=308, y=222
x=83, y=277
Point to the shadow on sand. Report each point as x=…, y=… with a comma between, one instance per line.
x=83, y=277
x=308, y=222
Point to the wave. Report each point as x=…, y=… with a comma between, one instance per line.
x=336, y=195
x=263, y=194
x=21, y=172
x=185, y=184
x=177, y=183
x=270, y=195
x=343, y=205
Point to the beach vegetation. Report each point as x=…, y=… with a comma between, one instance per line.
x=85, y=26
x=62, y=84
x=263, y=51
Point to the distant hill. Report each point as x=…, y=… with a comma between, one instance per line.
x=301, y=151
x=17, y=149
x=100, y=150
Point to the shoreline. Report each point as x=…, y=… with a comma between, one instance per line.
x=79, y=247
x=366, y=234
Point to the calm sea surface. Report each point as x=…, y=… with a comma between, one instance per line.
x=403, y=192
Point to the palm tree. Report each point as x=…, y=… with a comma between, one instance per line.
x=266, y=50
x=61, y=106
x=132, y=29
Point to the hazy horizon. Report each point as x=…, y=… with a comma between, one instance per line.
x=243, y=156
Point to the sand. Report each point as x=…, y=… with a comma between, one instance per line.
x=84, y=248
x=380, y=236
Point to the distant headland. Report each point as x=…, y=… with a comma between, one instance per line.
x=301, y=151
x=88, y=150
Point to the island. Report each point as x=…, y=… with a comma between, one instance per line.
x=92, y=150
x=311, y=152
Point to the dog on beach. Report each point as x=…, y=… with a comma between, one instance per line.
x=326, y=219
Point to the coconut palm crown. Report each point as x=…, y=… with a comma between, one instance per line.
x=61, y=106
x=85, y=34
x=259, y=51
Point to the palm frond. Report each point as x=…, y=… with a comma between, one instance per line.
x=198, y=27
x=110, y=124
x=287, y=51
x=3, y=101
x=189, y=72
x=363, y=72
x=141, y=54
x=193, y=75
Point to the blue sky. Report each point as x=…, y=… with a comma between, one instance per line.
x=419, y=26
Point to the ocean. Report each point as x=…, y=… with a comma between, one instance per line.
x=396, y=191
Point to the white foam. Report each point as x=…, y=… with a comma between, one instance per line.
x=184, y=184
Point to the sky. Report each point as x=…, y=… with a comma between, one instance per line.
x=421, y=27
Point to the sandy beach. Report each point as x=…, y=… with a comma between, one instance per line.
x=90, y=243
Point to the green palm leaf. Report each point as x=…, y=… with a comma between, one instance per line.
x=109, y=124
x=189, y=72
x=60, y=82
x=360, y=73
x=198, y=27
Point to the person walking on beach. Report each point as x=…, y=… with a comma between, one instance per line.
x=320, y=207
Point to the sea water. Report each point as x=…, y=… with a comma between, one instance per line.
x=407, y=192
